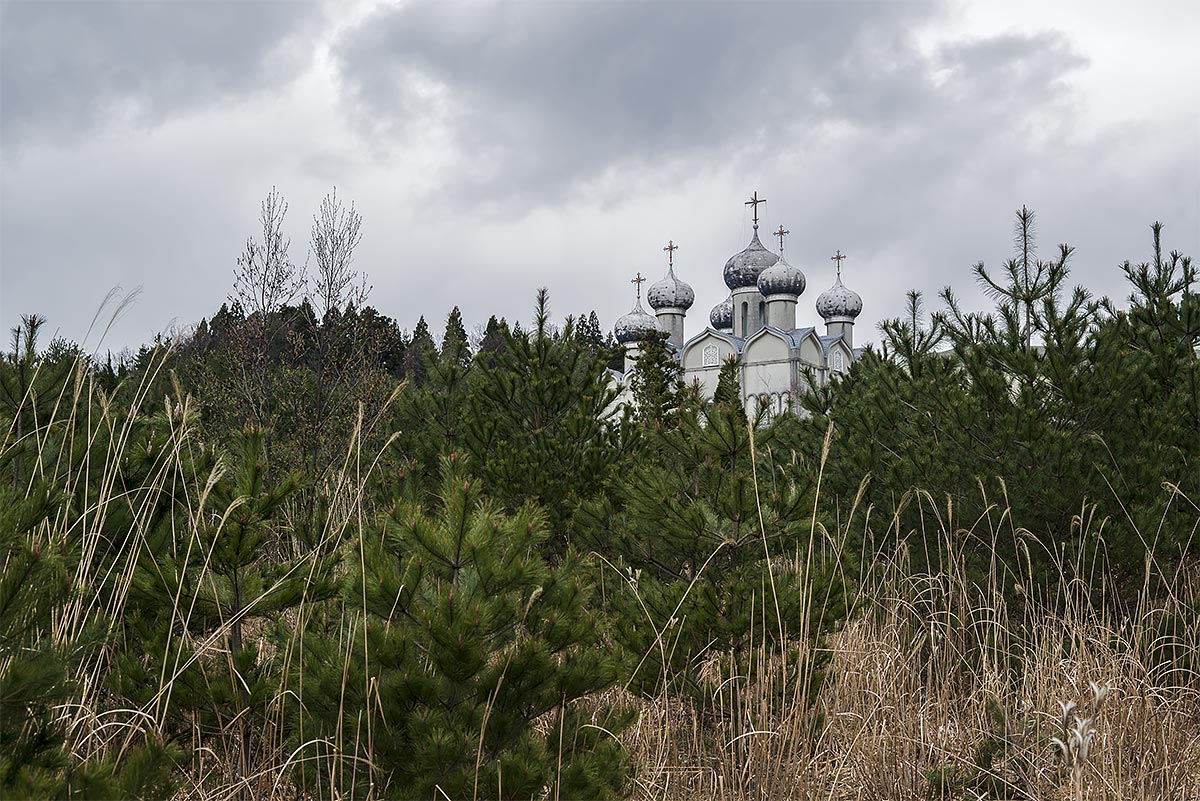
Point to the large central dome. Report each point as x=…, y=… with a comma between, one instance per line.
x=743, y=269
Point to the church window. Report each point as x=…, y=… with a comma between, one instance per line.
x=745, y=314
x=710, y=356
x=762, y=313
x=837, y=360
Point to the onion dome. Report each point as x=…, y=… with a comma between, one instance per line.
x=670, y=293
x=781, y=278
x=838, y=301
x=634, y=326
x=721, y=316
x=743, y=269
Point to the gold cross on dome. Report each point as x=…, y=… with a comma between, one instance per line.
x=671, y=248
x=781, y=233
x=838, y=258
x=754, y=201
x=639, y=281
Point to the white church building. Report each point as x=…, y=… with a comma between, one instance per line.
x=756, y=326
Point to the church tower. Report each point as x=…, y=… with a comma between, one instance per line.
x=781, y=284
x=741, y=276
x=633, y=328
x=839, y=306
x=671, y=298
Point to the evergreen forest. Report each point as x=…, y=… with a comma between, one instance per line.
x=302, y=551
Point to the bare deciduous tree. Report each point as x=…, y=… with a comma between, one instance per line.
x=266, y=278
x=336, y=232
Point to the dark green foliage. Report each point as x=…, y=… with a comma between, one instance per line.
x=589, y=335
x=1067, y=410
x=430, y=421
x=32, y=386
x=41, y=660
x=454, y=341
x=468, y=639
x=729, y=390
x=657, y=382
x=493, y=341
x=541, y=423
x=421, y=351
x=226, y=581
x=688, y=530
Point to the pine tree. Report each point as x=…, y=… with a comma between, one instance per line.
x=420, y=351
x=589, y=335
x=614, y=353
x=468, y=639
x=236, y=569
x=493, y=341
x=542, y=422
x=47, y=645
x=1046, y=401
x=454, y=341
x=657, y=382
x=686, y=526
x=729, y=389
x=31, y=387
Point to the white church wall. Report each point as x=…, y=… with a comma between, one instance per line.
x=840, y=358
x=766, y=369
x=811, y=351
x=702, y=362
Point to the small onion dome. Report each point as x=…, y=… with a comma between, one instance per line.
x=670, y=293
x=781, y=278
x=742, y=269
x=721, y=316
x=634, y=327
x=838, y=301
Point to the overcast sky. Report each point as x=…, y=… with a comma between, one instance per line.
x=493, y=148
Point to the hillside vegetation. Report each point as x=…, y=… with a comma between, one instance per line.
x=299, y=553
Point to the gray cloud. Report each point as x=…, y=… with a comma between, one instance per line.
x=541, y=97
x=68, y=66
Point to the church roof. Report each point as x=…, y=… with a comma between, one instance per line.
x=635, y=325
x=827, y=342
x=737, y=342
x=670, y=293
x=781, y=278
x=744, y=267
x=797, y=335
x=793, y=338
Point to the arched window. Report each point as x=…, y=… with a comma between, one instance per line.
x=837, y=360
x=710, y=356
x=762, y=312
x=745, y=313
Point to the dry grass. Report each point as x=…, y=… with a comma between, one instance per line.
x=919, y=706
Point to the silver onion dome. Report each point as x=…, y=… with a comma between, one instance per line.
x=670, y=293
x=634, y=326
x=743, y=269
x=838, y=301
x=721, y=316
x=781, y=278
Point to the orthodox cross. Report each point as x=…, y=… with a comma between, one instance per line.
x=781, y=233
x=639, y=280
x=838, y=258
x=754, y=201
x=670, y=248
